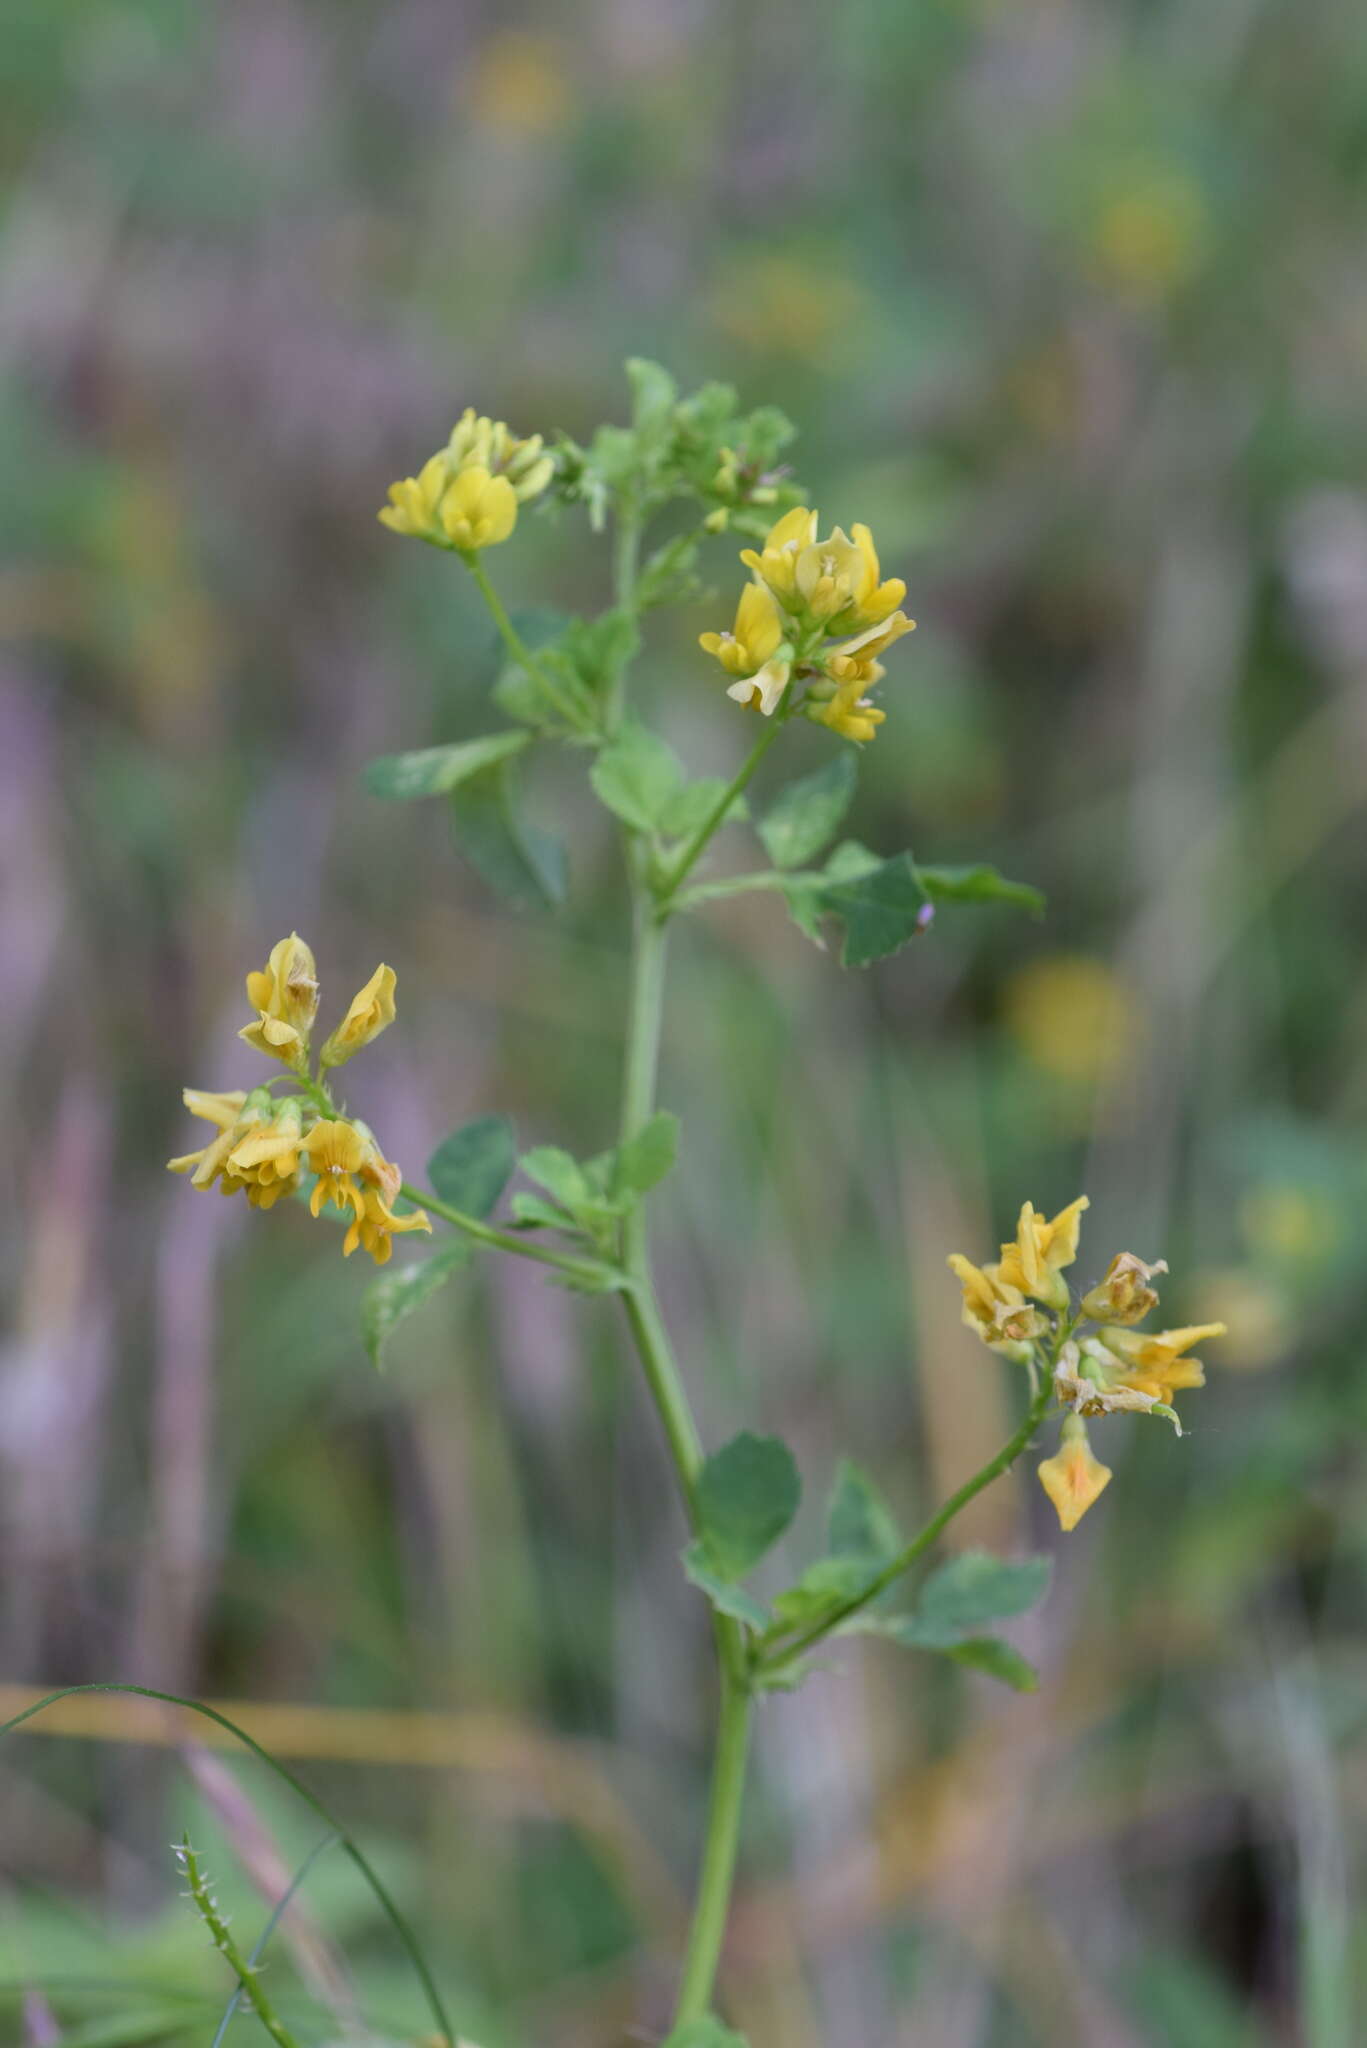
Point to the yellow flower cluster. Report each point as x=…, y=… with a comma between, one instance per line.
x=263, y=1148
x=1022, y=1306
x=817, y=611
x=466, y=495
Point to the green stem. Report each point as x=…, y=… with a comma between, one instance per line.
x=514, y=642
x=789, y=1653
x=719, y=1855
x=669, y=885
x=644, y=1017
x=248, y=1979
x=506, y=1240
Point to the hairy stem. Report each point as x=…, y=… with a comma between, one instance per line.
x=789, y=1653
x=247, y=1975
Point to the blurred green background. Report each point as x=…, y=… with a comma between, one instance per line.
x=1068, y=301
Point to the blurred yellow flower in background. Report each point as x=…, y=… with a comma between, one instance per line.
x=519, y=84
x=1072, y=1017
x=1150, y=233
x=792, y=307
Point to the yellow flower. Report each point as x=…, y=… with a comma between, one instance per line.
x=1157, y=1364
x=371, y=1012
x=1073, y=1478
x=776, y=563
x=839, y=578
x=1124, y=1296
x=338, y=1151
x=857, y=660
x=284, y=993
x=478, y=510
x=994, y=1310
x=848, y=712
x=414, y=501
x=1042, y=1248
x=753, y=651
x=478, y=442
x=377, y=1224
x=269, y=1159
x=520, y=84
x=233, y=1115
x=258, y=1148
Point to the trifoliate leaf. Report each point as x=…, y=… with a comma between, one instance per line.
x=396, y=1293
x=806, y=814
x=638, y=777
x=747, y=1495
x=435, y=771
x=471, y=1168
x=998, y=1660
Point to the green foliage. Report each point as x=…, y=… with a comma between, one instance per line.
x=725, y=1595
x=471, y=1168
x=747, y=1494
x=395, y=1293
x=577, y=662
x=638, y=777
x=808, y=812
x=883, y=904
x=863, y=1538
x=516, y=859
x=589, y=1199
x=881, y=910
x=979, y=884
x=435, y=771
x=957, y=1600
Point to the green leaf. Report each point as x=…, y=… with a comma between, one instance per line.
x=859, y=1522
x=705, y=2033
x=559, y=1174
x=806, y=814
x=747, y=1495
x=644, y=1160
x=725, y=1597
x=435, y=771
x=471, y=1168
x=980, y=884
x=825, y=1585
x=534, y=1213
x=974, y=1588
x=516, y=860
x=653, y=397
x=880, y=910
x=998, y=1660
x=396, y=1293
x=637, y=776
x=668, y=576
x=694, y=804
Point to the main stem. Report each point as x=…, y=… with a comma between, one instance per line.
x=644, y=1017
